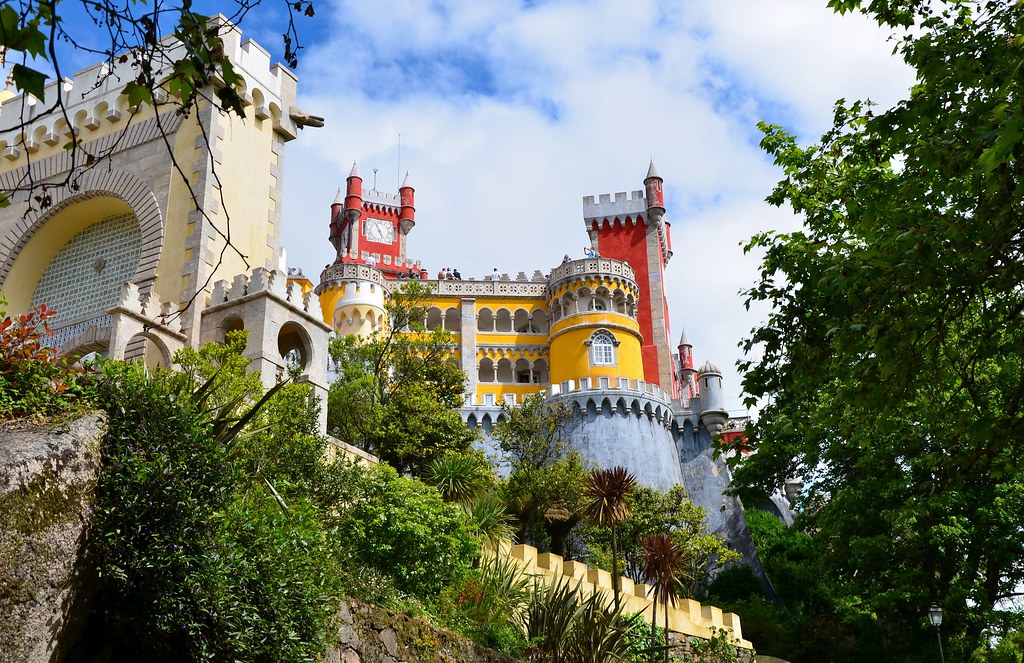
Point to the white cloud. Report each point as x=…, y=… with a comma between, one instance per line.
x=567, y=99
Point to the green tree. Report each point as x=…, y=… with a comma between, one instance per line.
x=397, y=390
x=891, y=369
x=663, y=560
x=813, y=612
x=608, y=490
x=547, y=479
x=653, y=511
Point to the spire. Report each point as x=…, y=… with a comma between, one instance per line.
x=355, y=171
x=405, y=182
x=652, y=172
x=684, y=339
x=339, y=198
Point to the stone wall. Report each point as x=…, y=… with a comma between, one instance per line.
x=688, y=617
x=47, y=480
x=371, y=634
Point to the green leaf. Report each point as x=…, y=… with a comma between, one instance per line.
x=29, y=81
x=137, y=94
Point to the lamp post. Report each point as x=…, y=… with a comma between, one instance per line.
x=935, y=617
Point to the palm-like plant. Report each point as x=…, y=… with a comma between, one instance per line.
x=460, y=478
x=663, y=559
x=607, y=490
x=491, y=520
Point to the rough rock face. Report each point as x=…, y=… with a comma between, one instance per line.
x=371, y=634
x=47, y=479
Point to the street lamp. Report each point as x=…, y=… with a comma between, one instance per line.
x=935, y=617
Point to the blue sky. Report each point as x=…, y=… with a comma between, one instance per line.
x=506, y=113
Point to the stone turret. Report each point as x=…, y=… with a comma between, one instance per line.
x=712, y=401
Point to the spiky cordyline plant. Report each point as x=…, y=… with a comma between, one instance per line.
x=608, y=489
x=663, y=559
x=564, y=624
x=507, y=587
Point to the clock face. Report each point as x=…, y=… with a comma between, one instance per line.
x=379, y=230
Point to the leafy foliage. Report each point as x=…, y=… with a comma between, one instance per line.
x=33, y=380
x=811, y=614
x=195, y=559
x=163, y=479
x=490, y=520
x=652, y=512
x=397, y=390
x=545, y=487
x=402, y=527
x=487, y=604
x=892, y=367
x=468, y=479
x=461, y=478
x=719, y=648
x=565, y=624
x=608, y=490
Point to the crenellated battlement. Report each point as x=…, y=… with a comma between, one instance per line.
x=619, y=396
x=262, y=282
x=622, y=205
x=591, y=267
x=687, y=617
x=344, y=272
x=385, y=202
x=93, y=98
x=148, y=306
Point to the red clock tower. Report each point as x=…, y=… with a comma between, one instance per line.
x=370, y=226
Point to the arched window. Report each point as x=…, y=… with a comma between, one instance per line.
x=602, y=348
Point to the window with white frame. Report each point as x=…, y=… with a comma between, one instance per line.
x=602, y=348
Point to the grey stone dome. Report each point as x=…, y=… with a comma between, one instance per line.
x=709, y=369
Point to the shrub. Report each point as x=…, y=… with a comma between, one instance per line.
x=275, y=574
x=402, y=527
x=163, y=479
x=565, y=624
x=33, y=380
x=196, y=558
x=487, y=603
